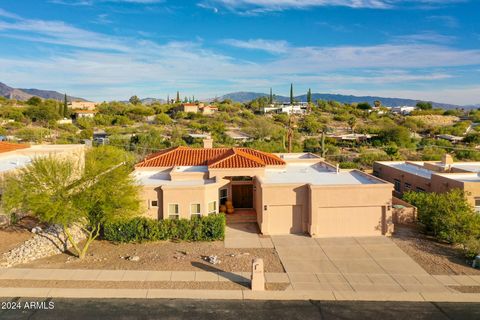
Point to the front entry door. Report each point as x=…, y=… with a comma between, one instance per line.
x=242, y=196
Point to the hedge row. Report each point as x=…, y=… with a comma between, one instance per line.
x=140, y=229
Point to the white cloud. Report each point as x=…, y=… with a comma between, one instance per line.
x=272, y=46
x=261, y=6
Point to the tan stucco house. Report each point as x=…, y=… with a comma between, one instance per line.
x=287, y=193
x=432, y=176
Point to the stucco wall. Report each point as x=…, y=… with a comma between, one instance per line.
x=389, y=174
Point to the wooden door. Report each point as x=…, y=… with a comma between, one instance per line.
x=242, y=196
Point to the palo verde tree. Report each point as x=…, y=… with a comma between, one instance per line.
x=59, y=191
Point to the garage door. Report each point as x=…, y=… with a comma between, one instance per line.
x=285, y=219
x=356, y=221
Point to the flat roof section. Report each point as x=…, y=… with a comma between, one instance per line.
x=316, y=175
x=13, y=162
x=410, y=168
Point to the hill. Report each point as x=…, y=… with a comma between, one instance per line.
x=25, y=94
x=391, y=102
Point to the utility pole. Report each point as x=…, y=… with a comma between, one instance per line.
x=291, y=93
x=323, y=144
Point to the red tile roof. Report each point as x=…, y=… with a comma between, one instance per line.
x=7, y=146
x=218, y=158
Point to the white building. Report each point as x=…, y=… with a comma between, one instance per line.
x=404, y=110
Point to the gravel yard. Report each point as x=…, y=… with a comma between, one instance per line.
x=163, y=255
x=435, y=257
x=13, y=236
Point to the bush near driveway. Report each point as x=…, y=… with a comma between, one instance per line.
x=140, y=229
x=449, y=217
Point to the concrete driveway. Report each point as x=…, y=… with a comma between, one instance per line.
x=351, y=264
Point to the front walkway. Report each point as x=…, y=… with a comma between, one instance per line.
x=245, y=235
x=360, y=264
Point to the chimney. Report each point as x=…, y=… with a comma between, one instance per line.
x=447, y=159
x=208, y=143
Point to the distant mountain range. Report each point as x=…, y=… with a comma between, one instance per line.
x=391, y=102
x=25, y=94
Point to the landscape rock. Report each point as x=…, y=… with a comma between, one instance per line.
x=45, y=243
x=212, y=259
x=133, y=258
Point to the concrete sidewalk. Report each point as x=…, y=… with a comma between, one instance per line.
x=133, y=275
x=232, y=295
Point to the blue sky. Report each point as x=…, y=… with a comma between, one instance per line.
x=112, y=49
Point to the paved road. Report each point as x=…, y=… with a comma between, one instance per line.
x=120, y=309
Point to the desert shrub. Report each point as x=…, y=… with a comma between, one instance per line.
x=448, y=216
x=140, y=229
x=348, y=165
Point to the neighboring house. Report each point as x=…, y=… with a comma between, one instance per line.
x=189, y=107
x=83, y=105
x=359, y=137
x=15, y=156
x=237, y=135
x=404, y=110
x=84, y=114
x=198, y=107
x=449, y=137
x=64, y=121
x=288, y=193
x=206, y=110
x=286, y=108
x=432, y=176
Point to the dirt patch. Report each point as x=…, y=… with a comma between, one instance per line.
x=163, y=255
x=13, y=236
x=137, y=285
x=466, y=289
x=435, y=257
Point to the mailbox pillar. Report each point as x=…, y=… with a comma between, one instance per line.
x=258, y=275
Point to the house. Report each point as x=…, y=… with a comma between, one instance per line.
x=237, y=135
x=358, y=137
x=209, y=109
x=64, y=121
x=286, y=193
x=14, y=156
x=404, y=110
x=83, y=105
x=286, y=108
x=84, y=114
x=432, y=176
x=449, y=137
x=189, y=107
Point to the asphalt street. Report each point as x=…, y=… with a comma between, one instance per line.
x=72, y=309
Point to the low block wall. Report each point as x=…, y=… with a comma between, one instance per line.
x=405, y=215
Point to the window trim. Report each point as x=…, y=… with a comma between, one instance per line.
x=220, y=195
x=199, y=213
x=215, y=211
x=178, y=211
x=397, y=183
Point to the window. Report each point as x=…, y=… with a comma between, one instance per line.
x=154, y=203
x=397, y=184
x=195, y=210
x=408, y=186
x=223, y=196
x=420, y=189
x=477, y=204
x=212, y=207
x=173, y=212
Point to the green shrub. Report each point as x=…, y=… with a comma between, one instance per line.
x=449, y=217
x=139, y=229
